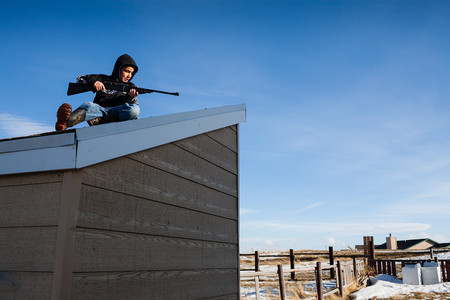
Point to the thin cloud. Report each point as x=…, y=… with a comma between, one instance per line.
x=14, y=126
x=246, y=211
x=423, y=206
x=331, y=241
x=308, y=207
x=343, y=228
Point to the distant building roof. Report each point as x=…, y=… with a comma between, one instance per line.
x=81, y=147
x=406, y=244
x=442, y=245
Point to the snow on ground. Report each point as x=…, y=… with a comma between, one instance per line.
x=445, y=255
x=385, y=286
x=388, y=286
x=271, y=292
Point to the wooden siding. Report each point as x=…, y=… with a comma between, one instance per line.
x=161, y=223
x=28, y=228
x=157, y=224
x=190, y=284
x=422, y=246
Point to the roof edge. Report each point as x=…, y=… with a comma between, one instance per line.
x=90, y=145
x=138, y=135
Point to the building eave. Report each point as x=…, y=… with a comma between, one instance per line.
x=91, y=145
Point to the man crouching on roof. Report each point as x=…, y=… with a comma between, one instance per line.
x=108, y=106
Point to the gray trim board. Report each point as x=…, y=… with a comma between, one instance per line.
x=65, y=238
x=92, y=145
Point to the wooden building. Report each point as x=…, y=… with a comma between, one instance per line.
x=143, y=209
x=442, y=245
x=415, y=244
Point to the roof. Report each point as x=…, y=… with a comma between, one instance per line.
x=442, y=245
x=81, y=147
x=406, y=244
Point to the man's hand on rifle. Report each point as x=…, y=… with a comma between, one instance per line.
x=99, y=86
x=133, y=93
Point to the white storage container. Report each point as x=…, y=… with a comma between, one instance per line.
x=431, y=273
x=412, y=274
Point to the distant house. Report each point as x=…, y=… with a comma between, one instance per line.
x=442, y=245
x=143, y=209
x=416, y=244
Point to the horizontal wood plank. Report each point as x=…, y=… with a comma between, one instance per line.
x=178, y=284
x=134, y=178
x=25, y=285
x=226, y=136
x=224, y=297
x=30, y=205
x=104, y=209
x=100, y=250
x=209, y=149
x=175, y=160
x=27, y=248
x=30, y=178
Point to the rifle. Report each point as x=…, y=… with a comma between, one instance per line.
x=77, y=88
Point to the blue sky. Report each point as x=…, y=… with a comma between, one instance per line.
x=348, y=113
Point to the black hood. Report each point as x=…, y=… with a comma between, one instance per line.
x=123, y=61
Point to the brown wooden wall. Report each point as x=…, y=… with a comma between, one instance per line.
x=158, y=224
x=29, y=209
x=162, y=223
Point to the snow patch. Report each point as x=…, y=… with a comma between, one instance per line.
x=386, y=286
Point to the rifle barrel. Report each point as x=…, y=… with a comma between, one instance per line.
x=142, y=90
x=76, y=88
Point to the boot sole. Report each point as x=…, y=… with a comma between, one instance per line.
x=62, y=116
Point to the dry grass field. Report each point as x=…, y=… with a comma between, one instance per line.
x=303, y=286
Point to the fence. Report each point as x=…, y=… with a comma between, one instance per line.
x=389, y=266
x=347, y=274
x=292, y=256
x=331, y=255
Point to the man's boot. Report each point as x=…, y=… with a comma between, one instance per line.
x=111, y=117
x=62, y=116
x=94, y=122
x=67, y=118
x=77, y=116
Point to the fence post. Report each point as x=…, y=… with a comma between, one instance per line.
x=366, y=245
x=447, y=269
x=292, y=259
x=319, y=281
x=372, y=248
x=431, y=253
x=394, y=268
x=340, y=281
x=369, y=247
x=355, y=269
x=257, y=287
x=331, y=255
x=444, y=276
x=256, y=261
x=281, y=280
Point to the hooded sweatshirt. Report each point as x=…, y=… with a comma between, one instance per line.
x=112, y=98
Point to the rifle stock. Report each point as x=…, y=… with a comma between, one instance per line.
x=77, y=88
